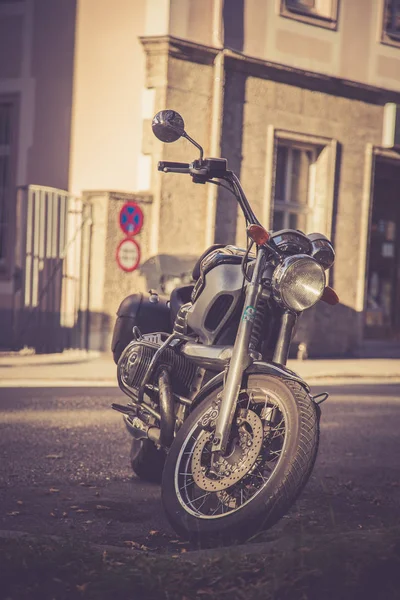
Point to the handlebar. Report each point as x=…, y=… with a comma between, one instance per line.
x=173, y=167
x=205, y=170
x=201, y=170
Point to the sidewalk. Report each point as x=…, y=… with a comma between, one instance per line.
x=93, y=369
x=73, y=368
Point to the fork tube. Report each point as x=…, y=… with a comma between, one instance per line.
x=240, y=360
x=285, y=337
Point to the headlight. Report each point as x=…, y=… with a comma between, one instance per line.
x=322, y=250
x=298, y=282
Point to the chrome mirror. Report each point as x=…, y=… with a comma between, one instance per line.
x=168, y=126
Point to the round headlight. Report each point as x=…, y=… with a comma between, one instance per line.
x=298, y=282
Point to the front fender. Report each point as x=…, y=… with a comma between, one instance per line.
x=256, y=367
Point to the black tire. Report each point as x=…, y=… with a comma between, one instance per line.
x=147, y=462
x=276, y=494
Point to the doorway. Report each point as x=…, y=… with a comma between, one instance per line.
x=382, y=313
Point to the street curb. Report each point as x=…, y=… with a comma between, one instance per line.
x=352, y=380
x=58, y=383
x=38, y=360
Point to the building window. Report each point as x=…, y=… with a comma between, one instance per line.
x=300, y=181
x=323, y=13
x=294, y=186
x=391, y=22
x=6, y=120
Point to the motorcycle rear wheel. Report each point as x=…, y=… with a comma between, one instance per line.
x=279, y=459
x=147, y=461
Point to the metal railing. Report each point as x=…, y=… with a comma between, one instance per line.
x=51, y=308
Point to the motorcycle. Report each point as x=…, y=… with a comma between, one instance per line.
x=214, y=412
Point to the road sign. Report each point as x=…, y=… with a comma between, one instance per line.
x=131, y=218
x=128, y=255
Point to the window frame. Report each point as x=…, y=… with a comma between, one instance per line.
x=284, y=205
x=322, y=221
x=311, y=16
x=387, y=37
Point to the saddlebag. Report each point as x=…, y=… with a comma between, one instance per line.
x=149, y=313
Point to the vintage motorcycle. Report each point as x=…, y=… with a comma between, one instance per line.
x=213, y=410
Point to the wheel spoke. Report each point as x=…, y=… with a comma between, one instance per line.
x=259, y=476
x=218, y=506
x=186, y=485
x=200, y=497
x=276, y=453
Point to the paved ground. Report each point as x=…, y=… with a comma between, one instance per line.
x=64, y=469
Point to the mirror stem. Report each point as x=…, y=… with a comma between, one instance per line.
x=192, y=141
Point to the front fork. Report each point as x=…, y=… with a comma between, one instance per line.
x=241, y=359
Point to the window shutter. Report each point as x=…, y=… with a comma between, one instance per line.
x=324, y=189
x=391, y=126
x=270, y=171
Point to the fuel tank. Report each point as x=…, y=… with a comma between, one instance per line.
x=217, y=297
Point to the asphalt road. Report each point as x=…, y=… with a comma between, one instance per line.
x=64, y=469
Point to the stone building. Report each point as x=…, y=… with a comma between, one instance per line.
x=301, y=97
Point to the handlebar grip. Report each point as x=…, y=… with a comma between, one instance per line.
x=171, y=166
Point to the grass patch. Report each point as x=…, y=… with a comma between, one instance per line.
x=359, y=565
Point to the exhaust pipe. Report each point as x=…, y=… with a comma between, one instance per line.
x=136, y=427
x=167, y=412
x=140, y=430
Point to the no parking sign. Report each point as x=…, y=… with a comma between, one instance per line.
x=131, y=218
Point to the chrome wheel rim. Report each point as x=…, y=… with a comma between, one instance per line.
x=207, y=498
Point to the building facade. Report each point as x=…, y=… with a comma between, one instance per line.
x=299, y=95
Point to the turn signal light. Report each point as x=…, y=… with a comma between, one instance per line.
x=258, y=234
x=330, y=296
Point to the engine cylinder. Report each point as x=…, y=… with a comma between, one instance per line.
x=136, y=360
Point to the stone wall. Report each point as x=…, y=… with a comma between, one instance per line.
x=182, y=78
x=254, y=103
x=109, y=284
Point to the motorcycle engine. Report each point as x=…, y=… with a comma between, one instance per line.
x=136, y=359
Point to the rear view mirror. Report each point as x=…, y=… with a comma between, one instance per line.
x=168, y=126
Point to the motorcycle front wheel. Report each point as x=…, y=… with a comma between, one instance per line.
x=270, y=456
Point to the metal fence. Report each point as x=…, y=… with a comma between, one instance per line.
x=52, y=269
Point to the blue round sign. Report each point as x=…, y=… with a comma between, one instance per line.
x=131, y=218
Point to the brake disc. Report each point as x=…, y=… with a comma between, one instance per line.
x=240, y=461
